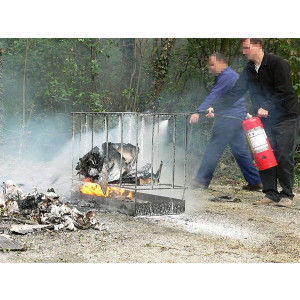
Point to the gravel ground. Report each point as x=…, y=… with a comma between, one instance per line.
x=207, y=232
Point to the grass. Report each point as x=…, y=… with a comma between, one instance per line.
x=297, y=179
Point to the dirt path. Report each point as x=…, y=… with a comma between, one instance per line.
x=207, y=232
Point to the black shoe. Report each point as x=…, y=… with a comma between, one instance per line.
x=256, y=187
x=197, y=185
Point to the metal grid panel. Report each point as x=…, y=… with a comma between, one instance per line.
x=92, y=128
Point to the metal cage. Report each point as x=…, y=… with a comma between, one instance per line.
x=144, y=131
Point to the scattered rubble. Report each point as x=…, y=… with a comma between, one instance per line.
x=43, y=210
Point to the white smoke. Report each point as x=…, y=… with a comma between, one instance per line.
x=45, y=170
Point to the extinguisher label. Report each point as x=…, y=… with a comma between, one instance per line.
x=258, y=139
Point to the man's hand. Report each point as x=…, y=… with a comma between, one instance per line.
x=194, y=118
x=262, y=113
x=210, y=113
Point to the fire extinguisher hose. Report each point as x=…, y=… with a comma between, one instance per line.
x=217, y=115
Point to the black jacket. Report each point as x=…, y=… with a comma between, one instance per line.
x=271, y=89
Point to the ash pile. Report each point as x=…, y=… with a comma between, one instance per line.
x=106, y=166
x=44, y=208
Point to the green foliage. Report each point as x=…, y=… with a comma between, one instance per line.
x=92, y=74
x=127, y=93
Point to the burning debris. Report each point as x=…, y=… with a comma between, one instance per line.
x=113, y=173
x=106, y=166
x=93, y=188
x=45, y=208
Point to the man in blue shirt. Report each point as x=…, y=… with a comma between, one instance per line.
x=226, y=130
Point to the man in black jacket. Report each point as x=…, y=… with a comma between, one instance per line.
x=269, y=81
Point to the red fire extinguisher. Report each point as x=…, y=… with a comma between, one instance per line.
x=259, y=143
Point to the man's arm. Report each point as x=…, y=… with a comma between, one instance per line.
x=215, y=94
x=239, y=89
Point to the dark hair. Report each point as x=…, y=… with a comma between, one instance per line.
x=219, y=56
x=256, y=41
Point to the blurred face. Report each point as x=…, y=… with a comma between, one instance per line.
x=216, y=66
x=251, y=50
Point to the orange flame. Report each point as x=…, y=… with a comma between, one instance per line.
x=92, y=188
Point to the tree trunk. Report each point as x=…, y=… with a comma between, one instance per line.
x=127, y=50
x=134, y=68
x=94, y=73
x=23, y=99
x=223, y=46
x=142, y=52
x=160, y=71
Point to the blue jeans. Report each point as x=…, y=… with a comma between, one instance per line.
x=227, y=131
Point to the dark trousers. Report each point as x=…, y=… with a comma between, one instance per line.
x=227, y=131
x=283, y=138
